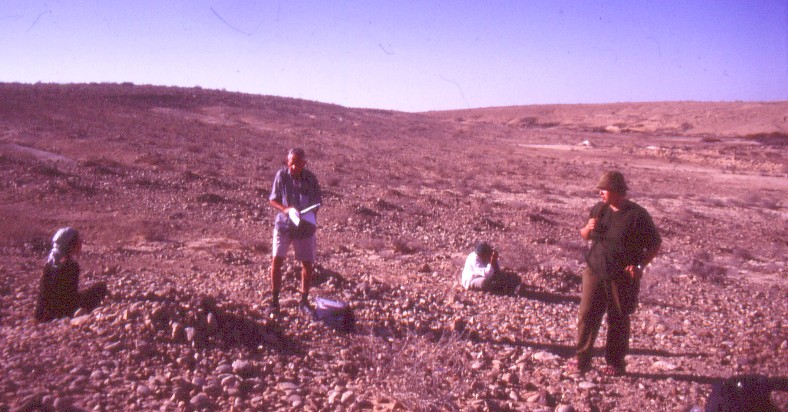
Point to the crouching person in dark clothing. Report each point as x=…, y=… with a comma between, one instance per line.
x=59, y=294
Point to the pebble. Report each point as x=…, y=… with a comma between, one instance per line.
x=97, y=375
x=143, y=390
x=243, y=368
x=113, y=347
x=213, y=390
x=211, y=324
x=231, y=381
x=295, y=401
x=80, y=320
x=347, y=397
x=79, y=370
x=664, y=365
x=200, y=401
x=545, y=356
x=186, y=361
x=286, y=386
x=177, y=332
x=191, y=333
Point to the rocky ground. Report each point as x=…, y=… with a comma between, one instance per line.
x=169, y=188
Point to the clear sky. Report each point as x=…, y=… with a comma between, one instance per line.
x=413, y=55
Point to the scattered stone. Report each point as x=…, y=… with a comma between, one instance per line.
x=114, y=347
x=143, y=390
x=243, y=368
x=191, y=333
x=347, y=397
x=295, y=401
x=545, y=356
x=665, y=366
x=211, y=325
x=80, y=320
x=178, y=333
x=200, y=401
x=286, y=386
x=422, y=338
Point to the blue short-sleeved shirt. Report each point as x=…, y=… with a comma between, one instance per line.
x=298, y=193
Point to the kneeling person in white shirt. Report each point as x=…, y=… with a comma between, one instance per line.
x=481, y=268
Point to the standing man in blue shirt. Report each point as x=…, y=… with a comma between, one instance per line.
x=294, y=190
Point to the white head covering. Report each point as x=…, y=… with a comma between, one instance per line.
x=63, y=243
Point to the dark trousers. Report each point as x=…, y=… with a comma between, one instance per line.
x=600, y=296
x=52, y=306
x=91, y=297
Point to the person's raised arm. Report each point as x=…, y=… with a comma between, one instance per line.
x=585, y=231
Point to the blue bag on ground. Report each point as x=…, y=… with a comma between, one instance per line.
x=335, y=314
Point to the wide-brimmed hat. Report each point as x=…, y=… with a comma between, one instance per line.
x=613, y=181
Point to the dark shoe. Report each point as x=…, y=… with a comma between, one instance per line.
x=306, y=308
x=578, y=368
x=273, y=308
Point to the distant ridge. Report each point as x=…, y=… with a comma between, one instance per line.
x=732, y=119
x=684, y=118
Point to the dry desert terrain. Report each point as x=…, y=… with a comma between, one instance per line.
x=169, y=188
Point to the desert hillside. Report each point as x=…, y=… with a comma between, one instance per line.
x=169, y=188
x=730, y=119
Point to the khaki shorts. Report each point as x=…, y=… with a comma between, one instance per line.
x=304, y=249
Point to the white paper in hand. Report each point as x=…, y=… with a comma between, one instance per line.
x=311, y=208
x=294, y=216
x=310, y=218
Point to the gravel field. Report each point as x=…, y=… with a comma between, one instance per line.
x=169, y=188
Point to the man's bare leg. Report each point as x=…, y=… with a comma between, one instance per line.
x=307, y=268
x=276, y=280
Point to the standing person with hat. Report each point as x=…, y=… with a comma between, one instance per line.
x=58, y=294
x=624, y=240
x=294, y=190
